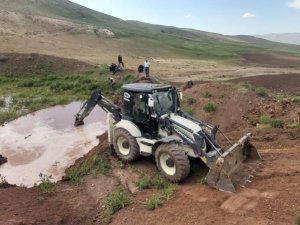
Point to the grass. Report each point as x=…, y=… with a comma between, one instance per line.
x=267, y=120
x=98, y=165
x=31, y=93
x=191, y=101
x=209, y=107
x=293, y=125
x=207, y=94
x=296, y=99
x=3, y=181
x=117, y=200
x=297, y=220
x=166, y=190
x=190, y=111
x=260, y=91
x=47, y=185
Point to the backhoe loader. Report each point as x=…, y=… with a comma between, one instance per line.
x=152, y=123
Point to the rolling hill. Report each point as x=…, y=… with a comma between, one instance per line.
x=38, y=20
x=288, y=38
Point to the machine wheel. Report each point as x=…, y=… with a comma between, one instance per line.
x=126, y=145
x=172, y=162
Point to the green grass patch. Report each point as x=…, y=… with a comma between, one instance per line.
x=296, y=99
x=261, y=92
x=117, y=200
x=190, y=111
x=267, y=120
x=98, y=165
x=209, y=107
x=47, y=185
x=164, y=195
x=191, y=101
x=166, y=190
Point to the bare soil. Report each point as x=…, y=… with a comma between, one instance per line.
x=35, y=64
x=272, y=59
x=283, y=83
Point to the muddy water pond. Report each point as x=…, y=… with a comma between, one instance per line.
x=47, y=142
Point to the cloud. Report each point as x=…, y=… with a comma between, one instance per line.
x=188, y=16
x=294, y=4
x=247, y=15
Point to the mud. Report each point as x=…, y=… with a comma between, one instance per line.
x=47, y=142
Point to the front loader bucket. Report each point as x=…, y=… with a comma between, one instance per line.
x=235, y=166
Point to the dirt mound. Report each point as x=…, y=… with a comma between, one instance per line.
x=2, y=160
x=36, y=64
x=273, y=60
x=286, y=83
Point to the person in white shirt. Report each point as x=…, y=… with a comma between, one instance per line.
x=147, y=68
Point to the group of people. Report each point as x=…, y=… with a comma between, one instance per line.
x=114, y=68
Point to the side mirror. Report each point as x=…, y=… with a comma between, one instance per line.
x=180, y=95
x=150, y=101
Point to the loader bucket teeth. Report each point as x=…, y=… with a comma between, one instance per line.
x=234, y=167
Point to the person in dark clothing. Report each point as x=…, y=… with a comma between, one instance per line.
x=141, y=68
x=113, y=68
x=120, y=60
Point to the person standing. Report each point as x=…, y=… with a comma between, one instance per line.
x=120, y=60
x=147, y=68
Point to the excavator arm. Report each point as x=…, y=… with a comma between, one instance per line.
x=97, y=99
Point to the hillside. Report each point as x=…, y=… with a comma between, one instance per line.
x=37, y=18
x=288, y=38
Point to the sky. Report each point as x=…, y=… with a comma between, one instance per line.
x=229, y=17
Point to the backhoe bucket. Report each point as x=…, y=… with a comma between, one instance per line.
x=235, y=166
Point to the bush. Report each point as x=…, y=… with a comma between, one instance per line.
x=261, y=92
x=191, y=101
x=117, y=200
x=264, y=119
x=3, y=181
x=154, y=202
x=210, y=107
x=190, y=111
x=293, y=125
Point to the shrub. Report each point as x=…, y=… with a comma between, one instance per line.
x=275, y=123
x=246, y=86
x=191, y=101
x=190, y=111
x=264, y=119
x=210, y=107
x=261, y=92
x=117, y=200
x=47, y=185
x=293, y=125
x=3, y=181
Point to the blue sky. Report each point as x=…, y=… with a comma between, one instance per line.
x=220, y=16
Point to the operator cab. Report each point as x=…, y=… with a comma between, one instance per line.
x=144, y=103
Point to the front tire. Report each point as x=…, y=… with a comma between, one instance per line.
x=126, y=146
x=172, y=162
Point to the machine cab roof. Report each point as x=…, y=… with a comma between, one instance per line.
x=145, y=87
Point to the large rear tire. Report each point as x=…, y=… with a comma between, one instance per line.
x=126, y=145
x=172, y=162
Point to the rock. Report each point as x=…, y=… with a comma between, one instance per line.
x=2, y=159
x=3, y=58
